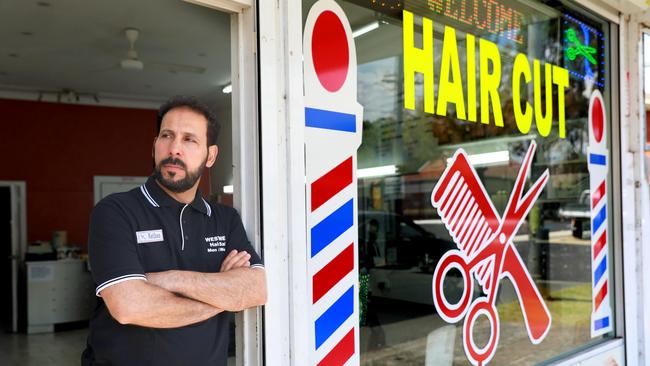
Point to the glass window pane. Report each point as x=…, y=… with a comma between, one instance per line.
x=402, y=236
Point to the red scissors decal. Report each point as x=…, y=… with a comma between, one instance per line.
x=485, y=252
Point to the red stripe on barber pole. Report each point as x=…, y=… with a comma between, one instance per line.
x=332, y=273
x=341, y=353
x=600, y=296
x=600, y=244
x=331, y=183
x=598, y=195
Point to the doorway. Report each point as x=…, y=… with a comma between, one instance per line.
x=12, y=244
x=94, y=102
x=6, y=304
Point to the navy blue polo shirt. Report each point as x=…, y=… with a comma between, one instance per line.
x=146, y=230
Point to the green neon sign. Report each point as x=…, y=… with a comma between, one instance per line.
x=578, y=48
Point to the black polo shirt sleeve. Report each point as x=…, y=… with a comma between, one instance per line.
x=112, y=248
x=238, y=240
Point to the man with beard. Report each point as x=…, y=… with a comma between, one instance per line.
x=169, y=266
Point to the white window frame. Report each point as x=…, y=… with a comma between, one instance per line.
x=635, y=205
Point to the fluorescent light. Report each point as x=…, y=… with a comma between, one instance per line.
x=377, y=171
x=575, y=213
x=227, y=89
x=485, y=159
x=365, y=29
x=228, y=189
x=428, y=222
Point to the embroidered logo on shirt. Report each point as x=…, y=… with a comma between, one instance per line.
x=216, y=243
x=149, y=236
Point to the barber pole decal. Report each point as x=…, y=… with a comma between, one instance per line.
x=601, y=312
x=333, y=121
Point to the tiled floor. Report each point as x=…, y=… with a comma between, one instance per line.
x=49, y=349
x=52, y=349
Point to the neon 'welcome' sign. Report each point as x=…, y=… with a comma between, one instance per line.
x=486, y=15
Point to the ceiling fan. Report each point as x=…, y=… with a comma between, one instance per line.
x=133, y=62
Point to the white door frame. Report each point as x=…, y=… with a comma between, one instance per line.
x=246, y=180
x=18, y=239
x=100, y=180
x=635, y=194
x=283, y=171
x=246, y=171
x=277, y=143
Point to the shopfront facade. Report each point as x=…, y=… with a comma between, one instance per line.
x=443, y=182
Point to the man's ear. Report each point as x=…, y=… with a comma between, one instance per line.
x=153, y=148
x=213, y=151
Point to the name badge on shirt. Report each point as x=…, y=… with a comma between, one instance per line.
x=149, y=236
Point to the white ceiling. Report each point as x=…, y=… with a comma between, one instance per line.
x=50, y=45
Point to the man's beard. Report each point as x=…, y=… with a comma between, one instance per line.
x=182, y=185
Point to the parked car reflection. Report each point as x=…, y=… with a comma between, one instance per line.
x=399, y=255
x=580, y=215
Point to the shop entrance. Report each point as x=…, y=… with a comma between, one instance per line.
x=79, y=87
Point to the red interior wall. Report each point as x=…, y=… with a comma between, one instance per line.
x=58, y=148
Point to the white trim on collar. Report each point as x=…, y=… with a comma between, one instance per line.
x=146, y=194
x=207, y=206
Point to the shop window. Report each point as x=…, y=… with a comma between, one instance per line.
x=560, y=56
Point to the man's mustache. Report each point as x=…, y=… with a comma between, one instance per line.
x=173, y=161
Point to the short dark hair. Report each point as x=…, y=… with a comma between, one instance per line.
x=183, y=101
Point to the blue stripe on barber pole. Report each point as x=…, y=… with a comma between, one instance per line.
x=597, y=159
x=334, y=317
x=600, y=270
x=338, y=222
x=598, y=220
x=330, y=120
x=601, y=323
